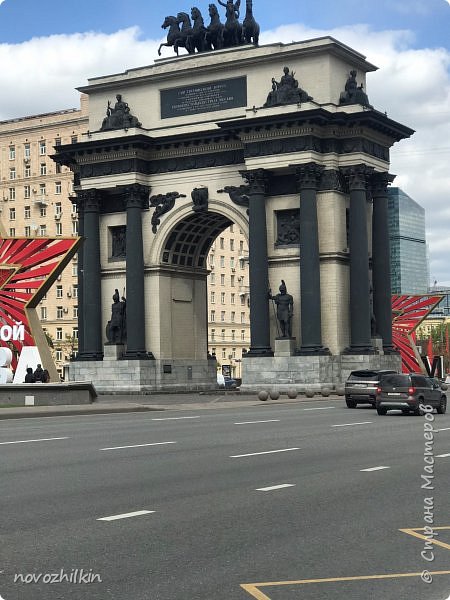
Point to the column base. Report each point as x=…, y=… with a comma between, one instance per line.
x=89, y=356
x=313, y=351
x=359, y=350
x=259, y=352
x=137, y=355
x=390, y=350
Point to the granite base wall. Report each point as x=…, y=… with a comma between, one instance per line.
x=308, y=372
x=48, y=394
x=111, y=376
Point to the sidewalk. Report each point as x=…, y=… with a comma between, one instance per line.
x=110, y=404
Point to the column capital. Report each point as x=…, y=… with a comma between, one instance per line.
x=308, y=176
x=88, y=201
x=357, y=176
x=379, y=183
x=136, y=196
x=257, y=180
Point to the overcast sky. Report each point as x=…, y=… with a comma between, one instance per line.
x=50, y=47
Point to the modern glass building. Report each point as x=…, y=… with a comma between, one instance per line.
x=409, y=265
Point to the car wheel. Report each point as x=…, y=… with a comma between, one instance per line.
x=350, y=403
x=381, y=410
x=442, y=408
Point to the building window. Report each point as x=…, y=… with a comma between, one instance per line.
x=12, y=152
x=75, y=312
x=213, y=335
x=211, y=259
x=74, y=139
x=57, y=168
x=213, y=316
x=222, y=316
x=212, y=278
x=42, y=148
x=59, y=333
x=75, y=291
x=233, y=280
x=233, y=316
x=222, y=243
x=42, y=230
x=242, y=317
x=59, y=312
x=58, y=187
x=27, y=151
x=224, y=352
x=241, y=246
x=42, y=189
x=74, y=227
x=213, y=351
x=59, y=291
x=12, y=214
x=232, y=245
x=233, y=335
x=12, y=193
x=12, y=173
x=74, y=270
x=222, y=261
x=27, y=212
x=43, y=170
x=59, y=228
x=233, y=299
x=27, y=192
x=58, y=355
x=27, y=231
x=243, y=300
x=243, y=335
x=43, y=211
x=58, y=209
x=74, y=209
x=222, y=298
x=43, y=313
x=222, y=279
x=27, y=171
x=213, y=298
x=75, y=333
x=12, y=232
x=222, y=333
x=232, y=262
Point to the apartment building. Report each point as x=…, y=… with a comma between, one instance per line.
x=228, y=300
x=35, y=202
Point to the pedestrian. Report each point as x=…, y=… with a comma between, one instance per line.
x=29, y=377
x=39, y=375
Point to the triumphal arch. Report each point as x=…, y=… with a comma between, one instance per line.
x=281, y=140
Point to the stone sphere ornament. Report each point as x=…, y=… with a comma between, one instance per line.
x=274, y=394
x=309, y=393
x=325, y=391
x=292, y=393
x=263, y=395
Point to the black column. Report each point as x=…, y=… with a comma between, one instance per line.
x=381, y=264
x=258, y=264
x=360, y=339
x=308, y=177
x=136, y=198
x=78, y=202
x=91, y=279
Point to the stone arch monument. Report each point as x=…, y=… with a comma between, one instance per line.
x=271, y=138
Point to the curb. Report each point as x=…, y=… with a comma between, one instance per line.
x=22, y=414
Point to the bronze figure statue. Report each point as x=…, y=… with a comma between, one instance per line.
x=116, y=327
x=286, y=91
x=214, y=31
x=285, y=309
x=354, y=94
x=177, y=37
x=119, y=116
x=232, y=34
x=250, y=28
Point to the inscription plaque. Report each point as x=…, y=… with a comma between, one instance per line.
x=204, y=97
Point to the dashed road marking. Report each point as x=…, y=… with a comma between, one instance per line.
x=266, y=452
x=374, y=469
x=31, y=441
x=442, y=455
x=350, y=424
x=136, y=513
x=251, y=422
x=174, y=418
x=275, y=487
x=138, y=446
x=415, y=533
x=320, y=408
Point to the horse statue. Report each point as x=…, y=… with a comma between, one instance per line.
x=232, y=34
x=214, y=32
x=250, y=27
x=186, y=33
x=175, y=37
x=197, y=36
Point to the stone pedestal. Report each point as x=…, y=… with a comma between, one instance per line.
x=377, y=344
x=285, y=347
x=113, y=351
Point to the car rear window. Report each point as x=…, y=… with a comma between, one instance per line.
x=395, y=380
x=365, y=375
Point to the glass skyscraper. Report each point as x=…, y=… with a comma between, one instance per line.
x=409, y=266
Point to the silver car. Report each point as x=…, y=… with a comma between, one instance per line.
x=361, y=386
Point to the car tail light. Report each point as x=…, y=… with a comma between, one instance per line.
x=411, y=390
x=378, y=390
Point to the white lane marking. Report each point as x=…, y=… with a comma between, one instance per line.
x=445, y=429
x=349, y=424
x=250, y=422
x=136, y=513
x=374, y=469
x=138, y=446
x=30, y=441
x=174, y=418
x=442, y=455
x=275, y=487
x=320, y=408
x=266, y=452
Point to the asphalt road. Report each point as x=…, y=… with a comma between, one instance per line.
x=219, y=526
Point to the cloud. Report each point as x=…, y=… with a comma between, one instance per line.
x=412, y=85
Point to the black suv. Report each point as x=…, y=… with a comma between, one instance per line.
x=408, y=391
x=361, y=387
